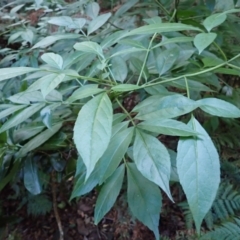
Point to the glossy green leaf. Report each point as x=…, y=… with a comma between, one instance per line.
x=119, y=69
x=84, y=91
x=166, y=59
x=144, y=199
x=152, y=160
x=51, y=84
x=164, y=107
x=125, y=87
x=167, y=127
x=218, y=107
x=38, y=140
x=53, y=60
x=199, y=171
x=92, y=130
x=161, y=28
x=21, y=117
x=7, y=73
x=11, y=110
x=47, y=41
x=203, y=40
x=108, y=194
x=31, y=178
x=89, y=47
x=96, y=23
x=214, y=20
x=114, y=154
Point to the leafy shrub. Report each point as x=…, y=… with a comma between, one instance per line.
x=120, y=83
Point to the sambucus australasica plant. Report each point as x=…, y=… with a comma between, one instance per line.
x=90, y=64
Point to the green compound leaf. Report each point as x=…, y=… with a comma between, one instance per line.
x=92, y=130
x=144, y=199
x=199, y=172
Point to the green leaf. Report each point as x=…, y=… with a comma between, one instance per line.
x=52, y=59
x=51, y=83
x=119, y=69
x=65, y=21
x=114, y=154
x=118, y=117
x=82, y=187
x=125, y=7
x=11, y=110
x=199, y=172
x=46, y=115
x=214, y=20
x=161, y=28
x=12, y=72
x=167, y=127
x=125, y=87
x=108, y=194
x=152, y=160
x=138, y=64
x=89, y=47
x=38, y=140
x=21, y=117
x=94, y=122
x=119, y=127
x=47, y=41
x=218, y=107
x=203, y=40
x=144, y=199
x=156, y=107
x=98, y=22
x=166, y=59
x=26, y=97
x=92, y=9
x=84, y=92
x=31, y=179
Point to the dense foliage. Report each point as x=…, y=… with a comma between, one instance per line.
x=93, y=94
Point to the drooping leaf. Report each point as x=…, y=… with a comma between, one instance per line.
x=166, y=59
x=167, y=127
x=81, y=186
x=214, y=20
x=96, y=23
x=144, y=199
x=199, y=171
x=38, y=140
x=108, y=194
x=152, y=160
x=7, y=73
x=218, y=107
x=53, y=60
x=92, y=130
x=119, y=69
x=203, y=40
x=114, y=154
x=89, y=47
x=125, y=87
x=31, y=178
x=47, y=41
x=84, y=91
x=22, y=116
x=171, y=106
